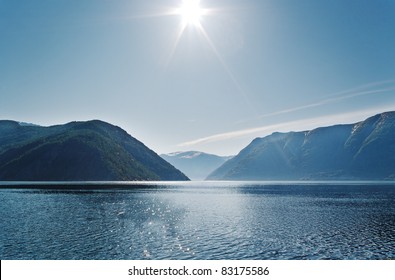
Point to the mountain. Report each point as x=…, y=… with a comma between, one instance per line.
x=361, y=151
x=196, y=165
x=77, y=151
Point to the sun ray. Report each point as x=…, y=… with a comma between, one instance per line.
x=192, y=16
x=176, y=42
x=226, y=68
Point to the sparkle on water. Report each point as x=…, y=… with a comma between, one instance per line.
x=199, y=221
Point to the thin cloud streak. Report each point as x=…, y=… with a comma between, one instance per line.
x=298, y=125
x=227, y=135
x=329, y=100
x=339, y=96
x=365, y=86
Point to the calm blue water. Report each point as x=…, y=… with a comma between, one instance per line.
x=200, y=221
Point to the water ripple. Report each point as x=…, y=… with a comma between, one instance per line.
x=238, y=221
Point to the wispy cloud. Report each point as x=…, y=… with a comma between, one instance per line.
x=309, y=123
x=228, y=135
x=298, y=125
x=367, y=89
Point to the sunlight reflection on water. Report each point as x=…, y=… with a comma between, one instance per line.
x=200, y=221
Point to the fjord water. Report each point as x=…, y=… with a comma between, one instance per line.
x=195, y=220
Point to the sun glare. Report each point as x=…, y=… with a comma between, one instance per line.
x=191, y=12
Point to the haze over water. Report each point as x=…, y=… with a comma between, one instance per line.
x=200, y=220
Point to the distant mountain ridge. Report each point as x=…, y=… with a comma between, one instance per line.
x=77, y=151
x=196, y=165
x=360, y=151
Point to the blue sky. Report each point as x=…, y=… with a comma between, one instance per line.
x=250, y=68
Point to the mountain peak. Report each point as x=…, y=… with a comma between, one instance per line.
x=82, y=151
x=196, y=165
x=361, y=151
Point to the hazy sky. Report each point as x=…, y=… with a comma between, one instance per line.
x=248, y=68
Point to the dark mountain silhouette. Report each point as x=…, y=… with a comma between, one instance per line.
x=77, y=151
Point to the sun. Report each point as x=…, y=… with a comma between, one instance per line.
x=191, y=12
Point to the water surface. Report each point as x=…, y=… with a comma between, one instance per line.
x=195, y=220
